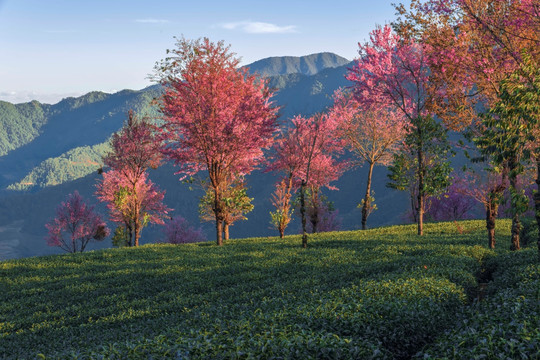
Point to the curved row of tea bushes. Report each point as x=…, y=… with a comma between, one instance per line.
x=506, y=324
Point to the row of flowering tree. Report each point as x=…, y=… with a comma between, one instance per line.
x=447, y=65
x=132, y=199
x=393, y=72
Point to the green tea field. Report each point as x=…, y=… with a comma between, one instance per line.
x=378, y=294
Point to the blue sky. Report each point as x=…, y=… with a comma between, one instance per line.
x=50, y=49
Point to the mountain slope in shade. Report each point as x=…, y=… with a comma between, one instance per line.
x=305, y=65
x=298, y=94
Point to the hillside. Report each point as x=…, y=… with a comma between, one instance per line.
x=73, y=122
x=20, y=124
x=305, y=65
x=380, y=294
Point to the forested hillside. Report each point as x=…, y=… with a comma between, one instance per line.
x=73, y=122
x=20, y=124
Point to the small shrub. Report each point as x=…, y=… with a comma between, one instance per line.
x=179, y=231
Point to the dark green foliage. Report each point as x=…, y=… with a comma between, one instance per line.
x=120, y=237
x=504, y=139
x=513, y=120
x=381, y=294
x=529, y=232
x=429, y=138
x=20, y=124
x=433, y=141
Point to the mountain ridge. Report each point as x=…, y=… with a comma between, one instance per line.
x=305, y=65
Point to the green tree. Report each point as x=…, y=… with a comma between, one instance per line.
x=513, y=133
x=505, y=141
x=120, y=237
x=422, y=166
x=235, y=203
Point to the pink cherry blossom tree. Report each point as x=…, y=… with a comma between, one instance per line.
x=217, y=117
x=372, y=132
x=135, y=148
x=133, y=200
x=75, y=225
x=307, y=154
x=392, y=72
x=179, y=231
x=480, y=52
x=287, y=159
x=132, y=204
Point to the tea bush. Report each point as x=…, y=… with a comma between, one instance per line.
x=506, y=325
x=376, y=294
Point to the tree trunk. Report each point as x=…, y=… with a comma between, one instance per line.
x=136, y=227
x=414, y=210
x=226, y=231
x=137, y=233
x=491, y=213
x=421, y=196
x=537, y=202
x=303, y=213
x=314, y=218
x=281, y=232
x=516, y=224
x=130, y=232
x=84, y=242
x=219, y=217
x=367, y=197
x=219, y=233
x=516, y=228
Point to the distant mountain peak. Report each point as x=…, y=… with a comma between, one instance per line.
x=306, y=65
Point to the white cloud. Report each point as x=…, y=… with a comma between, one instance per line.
x=255, y=27
x=17, y=97
x=152, y=21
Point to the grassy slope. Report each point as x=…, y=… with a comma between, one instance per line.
x=382, y=293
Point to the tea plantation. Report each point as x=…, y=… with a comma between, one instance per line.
x=378, y=294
